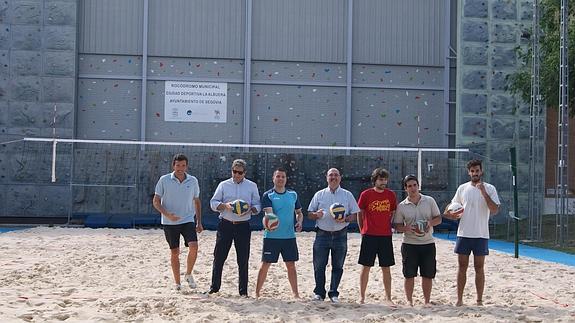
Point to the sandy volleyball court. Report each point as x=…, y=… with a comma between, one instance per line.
x=71, y=274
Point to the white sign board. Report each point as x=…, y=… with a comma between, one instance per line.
x=195, y=101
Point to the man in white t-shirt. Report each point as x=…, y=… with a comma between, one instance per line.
x=479, y=201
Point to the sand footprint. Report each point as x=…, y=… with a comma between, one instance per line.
x=27, y=317
x=61, y=316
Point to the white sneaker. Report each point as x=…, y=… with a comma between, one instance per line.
x=190, y=280
x=334, y=299
x=316, y=297
x=178, y=287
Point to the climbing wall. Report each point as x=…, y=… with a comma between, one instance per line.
x=490, y=120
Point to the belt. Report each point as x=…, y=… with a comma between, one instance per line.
x=234, y=222
x=333, y=233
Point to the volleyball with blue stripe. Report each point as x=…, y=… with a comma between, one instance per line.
x=337, y=211
x=239, y=206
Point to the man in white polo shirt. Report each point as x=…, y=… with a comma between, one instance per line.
x=415, y=217
x=177, y=198
x=331, y=234
x=480, y=201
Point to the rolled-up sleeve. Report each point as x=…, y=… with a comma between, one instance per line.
x=159, y=188
x=217, y=199
x=255, y=198
x=353, y=207
x=313, y=204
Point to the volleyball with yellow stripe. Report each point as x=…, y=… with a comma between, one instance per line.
x=239, y=206
x=337, y=211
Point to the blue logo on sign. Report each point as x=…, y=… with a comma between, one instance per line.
x=189, y=112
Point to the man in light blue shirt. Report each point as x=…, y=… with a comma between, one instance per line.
x=234, y=227
x=331, y=235
x=177, y=198
x=284, y=203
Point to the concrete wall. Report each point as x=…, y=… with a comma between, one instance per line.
x=37, y=86
x=490, y=120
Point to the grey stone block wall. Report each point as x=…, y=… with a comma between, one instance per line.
x=37, y=85
x=489, y=119
x=37, y=63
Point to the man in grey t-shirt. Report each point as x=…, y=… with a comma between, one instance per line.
x=415, y=217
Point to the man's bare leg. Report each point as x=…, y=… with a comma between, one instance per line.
x=192, y=256
x=408, y=285
x=363, y=279
x=479, y=265
x=175, y=262
x=262, y=274
x=292, y=277
x=463, y=263
x=426, y=284
x=386, y=273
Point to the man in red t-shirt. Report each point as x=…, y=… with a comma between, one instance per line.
x=377, y=206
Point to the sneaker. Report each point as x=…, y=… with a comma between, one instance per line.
x=190, y=280
x=316, y=297
x=178, y=287
x=334, y=299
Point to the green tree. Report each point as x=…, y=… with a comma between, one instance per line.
x=550, y=23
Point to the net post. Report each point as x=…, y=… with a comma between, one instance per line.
x=54, y=143
x=419, y=171
x=512, y=152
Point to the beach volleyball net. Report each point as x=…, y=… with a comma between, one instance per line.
x=111, y=183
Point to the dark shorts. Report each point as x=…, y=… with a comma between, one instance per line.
x=418, y=256
x=274, y=247
x=187, y=230
x=372, y=246
x=479, y=246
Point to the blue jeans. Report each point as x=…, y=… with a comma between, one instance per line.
x=326, y=241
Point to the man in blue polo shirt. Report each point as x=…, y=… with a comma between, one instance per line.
x=177, y=198
x=285, y=204
x=331, y=234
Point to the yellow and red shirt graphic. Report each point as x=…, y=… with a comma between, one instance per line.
x=379, y=206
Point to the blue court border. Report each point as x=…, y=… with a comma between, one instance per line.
x=524, y=250
x=8, y=229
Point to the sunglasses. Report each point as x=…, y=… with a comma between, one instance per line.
x=239, y=172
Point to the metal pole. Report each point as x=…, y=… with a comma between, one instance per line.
x=419, y=171
x=143, y=99
x=563, y=134
x=54, y=145
x=446, y=70
x=247, y=72
x=349, y=72
x=534, y=180
x=512, y=151
x=144, y=73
